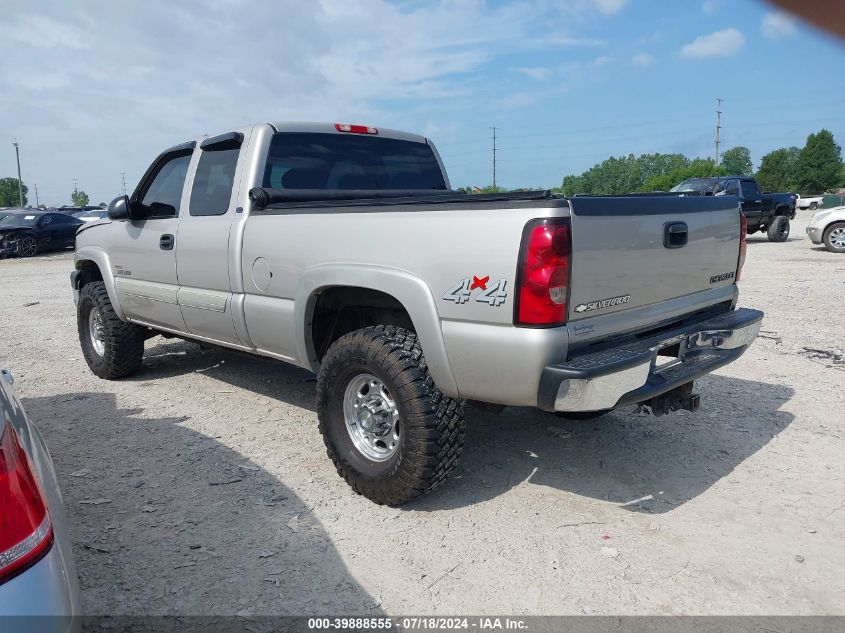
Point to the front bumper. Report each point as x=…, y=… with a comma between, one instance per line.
x=629, y=373
x=815, y=234
x=8, y=246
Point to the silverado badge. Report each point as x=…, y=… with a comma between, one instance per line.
x=602, y=303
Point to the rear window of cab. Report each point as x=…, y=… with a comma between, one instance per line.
x=305, y=160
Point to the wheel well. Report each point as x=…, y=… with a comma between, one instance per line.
x=88, y=273
x=343, y=309
x=782, y=211
x=836, y=223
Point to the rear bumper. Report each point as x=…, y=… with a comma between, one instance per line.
x=628, y=373
x=48, y=590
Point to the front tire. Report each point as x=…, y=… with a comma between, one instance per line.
x=834, y=237
x=779, y=229
x=28, y=246
x=390, y=432
x=112, y=348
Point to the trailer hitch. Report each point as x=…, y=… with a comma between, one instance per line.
x=678, y=398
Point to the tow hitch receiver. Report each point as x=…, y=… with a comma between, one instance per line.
x=678, y=398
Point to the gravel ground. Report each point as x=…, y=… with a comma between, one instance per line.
x=202, y=485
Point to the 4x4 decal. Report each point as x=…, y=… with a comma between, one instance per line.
x=493, y=296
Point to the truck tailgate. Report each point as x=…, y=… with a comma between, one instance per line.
x=633, y=251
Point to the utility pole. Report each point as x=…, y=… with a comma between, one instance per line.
x=494, y=155
x=20, y=182
x=74, y=186
x=35, y=186
x=123, y=175
x=718, y=126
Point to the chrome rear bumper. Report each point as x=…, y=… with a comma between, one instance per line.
x=629, y=373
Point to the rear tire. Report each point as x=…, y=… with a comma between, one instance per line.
x=779, y=229
x=834, y=237
x=814, y=206
x=390, y=432
x=112, y=348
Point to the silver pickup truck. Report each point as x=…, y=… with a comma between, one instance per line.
x=341, y=249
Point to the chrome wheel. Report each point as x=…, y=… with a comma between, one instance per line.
x=28, y=247
x=837, y=238
x=97, y=332
x=372, y=418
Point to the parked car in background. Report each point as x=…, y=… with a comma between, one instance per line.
x=90, y=216
x=37, y=573
x=67, y=210
x=770, y=212
x=828, y=227
x=810, y=202
x=13, y=210
x=28, y=233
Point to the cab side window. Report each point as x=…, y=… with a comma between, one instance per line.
x=749, y=189
x=162, y=193
x=732, y=188
x=215, y=177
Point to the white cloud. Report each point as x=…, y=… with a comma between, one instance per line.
x=610, y=7
x=538, y=74
x=709, y=6
x=93, y=90
x=43, y=32
x=604, y=60
x=642, y=59
x=726, y=43
x=776, y=25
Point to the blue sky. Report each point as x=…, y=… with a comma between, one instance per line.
x=96, y=88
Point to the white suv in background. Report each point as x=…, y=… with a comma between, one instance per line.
x=828, y=227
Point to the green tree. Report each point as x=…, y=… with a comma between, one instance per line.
x=698, y=168
x=737, y=161
x=9, y=193
x=819, y=163
x=779, y=170
x=623, y=174
x=79, y=198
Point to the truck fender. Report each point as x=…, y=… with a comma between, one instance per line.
x=99, y=257
x=406, y=288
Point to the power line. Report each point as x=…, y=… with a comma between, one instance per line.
x=20, y=182
x=718, y=125
x=494, y=156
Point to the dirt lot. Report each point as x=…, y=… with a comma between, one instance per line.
x=202, y=485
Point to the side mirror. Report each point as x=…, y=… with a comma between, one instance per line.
x=119, y=209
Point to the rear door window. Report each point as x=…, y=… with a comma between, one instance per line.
x=749, y=189
x=214, y=180
x=300, y=160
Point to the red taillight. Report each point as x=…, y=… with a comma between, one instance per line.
x=743, y=243
x=26, y=534
x=543, y=273
x=355, y=129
